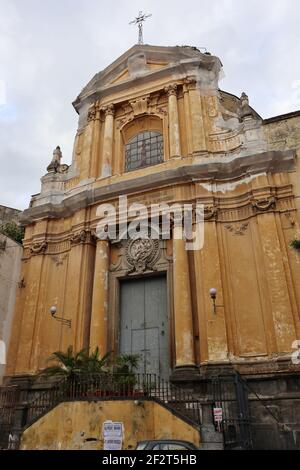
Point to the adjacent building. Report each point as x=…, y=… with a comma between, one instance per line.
x=10, y=266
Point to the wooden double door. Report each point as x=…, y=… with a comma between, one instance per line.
x=144, y=323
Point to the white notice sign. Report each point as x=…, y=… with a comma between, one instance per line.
x=218, y=415
x=113, y=435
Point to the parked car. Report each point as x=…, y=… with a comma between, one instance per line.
x=166, y=444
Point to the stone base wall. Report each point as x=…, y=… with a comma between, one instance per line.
x=274, y=406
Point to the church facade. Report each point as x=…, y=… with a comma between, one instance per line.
x=155, y=129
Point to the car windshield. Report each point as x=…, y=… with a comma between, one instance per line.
x=141, y=445
x=170, y=446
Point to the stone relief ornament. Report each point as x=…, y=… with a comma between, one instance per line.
x=83, y=236
x=140, y=106
x=108, y=110
x=79, y=237
x=171, y=89
x=210, y=212
x=190, y=83
x=141, y=254
x=92, y=112
x=237, y=229
x=264, y=204
x=38, y=248
x=59, y=259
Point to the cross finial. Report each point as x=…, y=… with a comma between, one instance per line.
x=139, y=21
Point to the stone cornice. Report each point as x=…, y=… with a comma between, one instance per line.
x=267, y=162
x=234, y=214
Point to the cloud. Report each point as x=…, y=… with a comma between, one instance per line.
x=49, y=50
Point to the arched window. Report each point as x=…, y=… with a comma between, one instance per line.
x=146, y=148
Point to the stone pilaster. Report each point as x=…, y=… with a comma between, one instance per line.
x=94, y=115
x=184, y=338
x=107, y=151
x=195, y=118
x=98, y=328
x=174, y=131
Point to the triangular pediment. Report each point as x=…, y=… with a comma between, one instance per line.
x=139, y=61
x=150, y=66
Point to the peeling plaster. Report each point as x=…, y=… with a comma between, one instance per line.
x=226, y=187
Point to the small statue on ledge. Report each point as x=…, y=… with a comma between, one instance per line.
x=246, y=110
x=55, y=162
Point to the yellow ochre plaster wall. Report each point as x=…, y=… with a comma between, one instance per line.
x=70, y=425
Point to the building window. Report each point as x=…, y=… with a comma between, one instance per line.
x=144, y=149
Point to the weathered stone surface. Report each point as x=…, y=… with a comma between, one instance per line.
x=7, y=214
x=78, y=425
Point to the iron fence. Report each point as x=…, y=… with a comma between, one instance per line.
x=10, y=398
x=116, y=386
x=231, y=396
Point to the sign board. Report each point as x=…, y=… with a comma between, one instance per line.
x=112, y=444
x=113, y=435
x=218, y=415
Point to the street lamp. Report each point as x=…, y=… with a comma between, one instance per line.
x=213, y=296
x=64, y=321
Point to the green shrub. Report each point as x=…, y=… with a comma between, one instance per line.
x=295, y=244
x=12, y=230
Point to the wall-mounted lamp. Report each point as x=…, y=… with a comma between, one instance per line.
x=64, y=321
x=213, y=296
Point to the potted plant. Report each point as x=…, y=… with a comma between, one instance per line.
x=82, y=371
x=124, y=373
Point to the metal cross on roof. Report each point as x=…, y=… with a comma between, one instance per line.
x=139, y=21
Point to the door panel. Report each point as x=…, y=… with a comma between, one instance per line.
x=152, y=352
x=144, y=325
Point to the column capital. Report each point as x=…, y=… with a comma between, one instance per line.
x=108, y=110
x=171, y=89
x=189, y=83
x=93, y=112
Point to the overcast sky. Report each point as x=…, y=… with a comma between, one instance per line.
x=50, y=49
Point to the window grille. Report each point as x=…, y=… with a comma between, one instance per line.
x=144, y=149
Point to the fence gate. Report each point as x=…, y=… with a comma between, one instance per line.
x=231, y=411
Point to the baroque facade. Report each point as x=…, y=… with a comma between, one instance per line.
x=154, y=126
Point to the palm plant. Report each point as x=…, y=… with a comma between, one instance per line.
x=75, y=364
x=127, y=363
x=95, y=364
x=124, y=370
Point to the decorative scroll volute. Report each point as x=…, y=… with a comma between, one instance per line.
x=84, y=236
x=38, y=248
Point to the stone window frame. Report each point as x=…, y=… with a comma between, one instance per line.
x=145, y=123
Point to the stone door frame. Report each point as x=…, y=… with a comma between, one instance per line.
x=120, y=272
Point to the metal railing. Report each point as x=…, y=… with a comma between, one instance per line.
x=116, y=386
x=230, y=394
x=10, y=398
